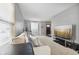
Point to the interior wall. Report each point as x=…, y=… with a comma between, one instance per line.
x=27, y=25
x=68, y=17
x=19, y=20
x=41, y=26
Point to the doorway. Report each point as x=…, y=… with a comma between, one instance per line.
x=48, y=29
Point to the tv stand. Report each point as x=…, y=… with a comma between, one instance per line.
x=66, y=42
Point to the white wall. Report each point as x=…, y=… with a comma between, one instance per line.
x=69, y=16
x=43, y=28
x=19, y=20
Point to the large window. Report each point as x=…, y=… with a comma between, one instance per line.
x=5, y=32
x=7, y=22
x=34, y=28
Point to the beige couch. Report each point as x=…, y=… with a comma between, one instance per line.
x=56, y=49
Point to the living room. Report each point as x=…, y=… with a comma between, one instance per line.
x=38, y=28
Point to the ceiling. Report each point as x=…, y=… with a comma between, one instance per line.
x=42, y=11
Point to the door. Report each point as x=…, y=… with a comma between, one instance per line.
x=48, y=29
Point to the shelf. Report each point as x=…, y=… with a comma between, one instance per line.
x=66, y=40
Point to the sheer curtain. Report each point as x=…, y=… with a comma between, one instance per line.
x=5, y=32
x=34, y=28
x=7, y=22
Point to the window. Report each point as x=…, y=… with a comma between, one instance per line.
x=34, y=28
x=5, y=32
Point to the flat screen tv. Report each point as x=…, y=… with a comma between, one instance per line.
x=64, y=31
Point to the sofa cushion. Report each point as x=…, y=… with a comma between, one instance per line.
x=42, y=50
x=36, y=42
